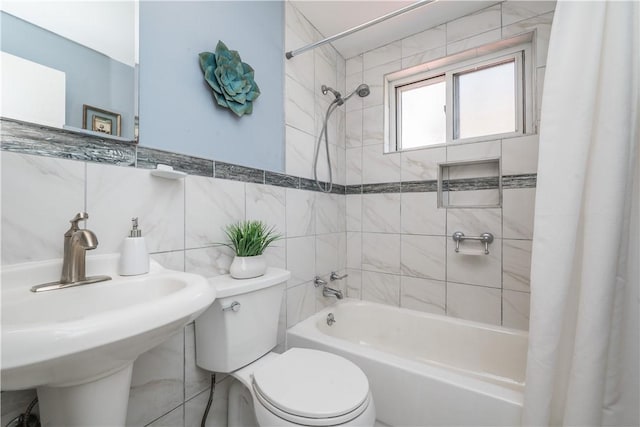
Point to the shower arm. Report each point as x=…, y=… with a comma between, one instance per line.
x=357, y=28
x=350, y=95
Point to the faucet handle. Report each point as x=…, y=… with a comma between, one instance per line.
x=335, y=276
x=79, y=217
x=319, y=282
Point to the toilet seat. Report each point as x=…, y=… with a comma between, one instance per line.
x=311, y=387
x=316, y=422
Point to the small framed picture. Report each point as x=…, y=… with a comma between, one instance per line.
x=99, y=120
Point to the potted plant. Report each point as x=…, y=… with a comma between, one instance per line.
x=249, y=239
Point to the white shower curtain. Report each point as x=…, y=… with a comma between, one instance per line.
x=583, y=357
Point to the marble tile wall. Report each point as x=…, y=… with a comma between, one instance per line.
x=399, y=246
x=182, y=221
x=306, y=106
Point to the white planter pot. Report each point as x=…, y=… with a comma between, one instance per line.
x=246, y=267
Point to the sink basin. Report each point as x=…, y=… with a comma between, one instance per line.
x=83, y=334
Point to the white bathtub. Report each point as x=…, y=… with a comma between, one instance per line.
x=425, y=369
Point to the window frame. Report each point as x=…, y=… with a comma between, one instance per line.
x=518, y=50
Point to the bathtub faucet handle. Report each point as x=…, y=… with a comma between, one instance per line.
x=319, y=282
x=335, y=276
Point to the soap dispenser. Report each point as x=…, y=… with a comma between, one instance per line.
x=134, y=258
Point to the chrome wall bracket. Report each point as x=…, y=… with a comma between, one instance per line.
x=485, y=238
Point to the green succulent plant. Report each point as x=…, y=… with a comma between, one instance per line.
x=250, y=238
x=231, y=80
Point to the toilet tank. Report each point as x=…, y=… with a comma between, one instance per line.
x=242, y=323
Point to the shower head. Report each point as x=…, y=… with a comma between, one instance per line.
x=326, y=89
x=362, y=91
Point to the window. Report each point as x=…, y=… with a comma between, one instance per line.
x=421, y=111
x=461, y=100
x=486, y=101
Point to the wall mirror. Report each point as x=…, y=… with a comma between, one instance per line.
x=71, y=64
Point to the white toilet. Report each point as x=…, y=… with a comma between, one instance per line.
x=301, y=387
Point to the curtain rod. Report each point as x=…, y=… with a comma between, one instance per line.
x=368, y=24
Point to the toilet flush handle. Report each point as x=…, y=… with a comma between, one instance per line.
x=234, y=306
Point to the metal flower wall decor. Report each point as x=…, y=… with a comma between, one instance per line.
x=231, y=80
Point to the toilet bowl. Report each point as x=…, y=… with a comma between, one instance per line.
x=300, y=387
x=307, y=387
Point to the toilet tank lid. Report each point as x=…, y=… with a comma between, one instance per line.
x=227, y=286
x=312, y=384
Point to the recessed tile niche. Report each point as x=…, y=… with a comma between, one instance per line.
x=475, y=184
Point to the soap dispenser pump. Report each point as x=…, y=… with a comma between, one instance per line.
x=134, y=258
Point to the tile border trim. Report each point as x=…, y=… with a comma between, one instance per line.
x=431, y=186
x=29, y=138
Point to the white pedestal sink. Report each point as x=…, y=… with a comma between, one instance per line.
x=77, y=345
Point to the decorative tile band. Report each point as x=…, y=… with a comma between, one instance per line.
x=29, y=138
x=281, y=180
x=308, y=184
x=520, y=181
x=466, y=184
x=470, y=184
x=387, y=187
x=419, y=186
x=353, y=189
x=337, y=188
x=149, y=158
x=238, y=173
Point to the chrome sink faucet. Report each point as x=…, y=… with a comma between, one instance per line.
x=76, y=242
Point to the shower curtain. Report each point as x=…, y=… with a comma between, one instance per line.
x=582, y=367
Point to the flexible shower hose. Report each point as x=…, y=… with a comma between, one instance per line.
x=334, y=104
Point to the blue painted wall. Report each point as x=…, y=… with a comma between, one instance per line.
x=177, y=110
x=91, y=77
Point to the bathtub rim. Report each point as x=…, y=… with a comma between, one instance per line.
x=307, y=330
x=451, y=319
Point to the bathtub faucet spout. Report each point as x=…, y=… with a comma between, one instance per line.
x=326, y=290
x=330, y=292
